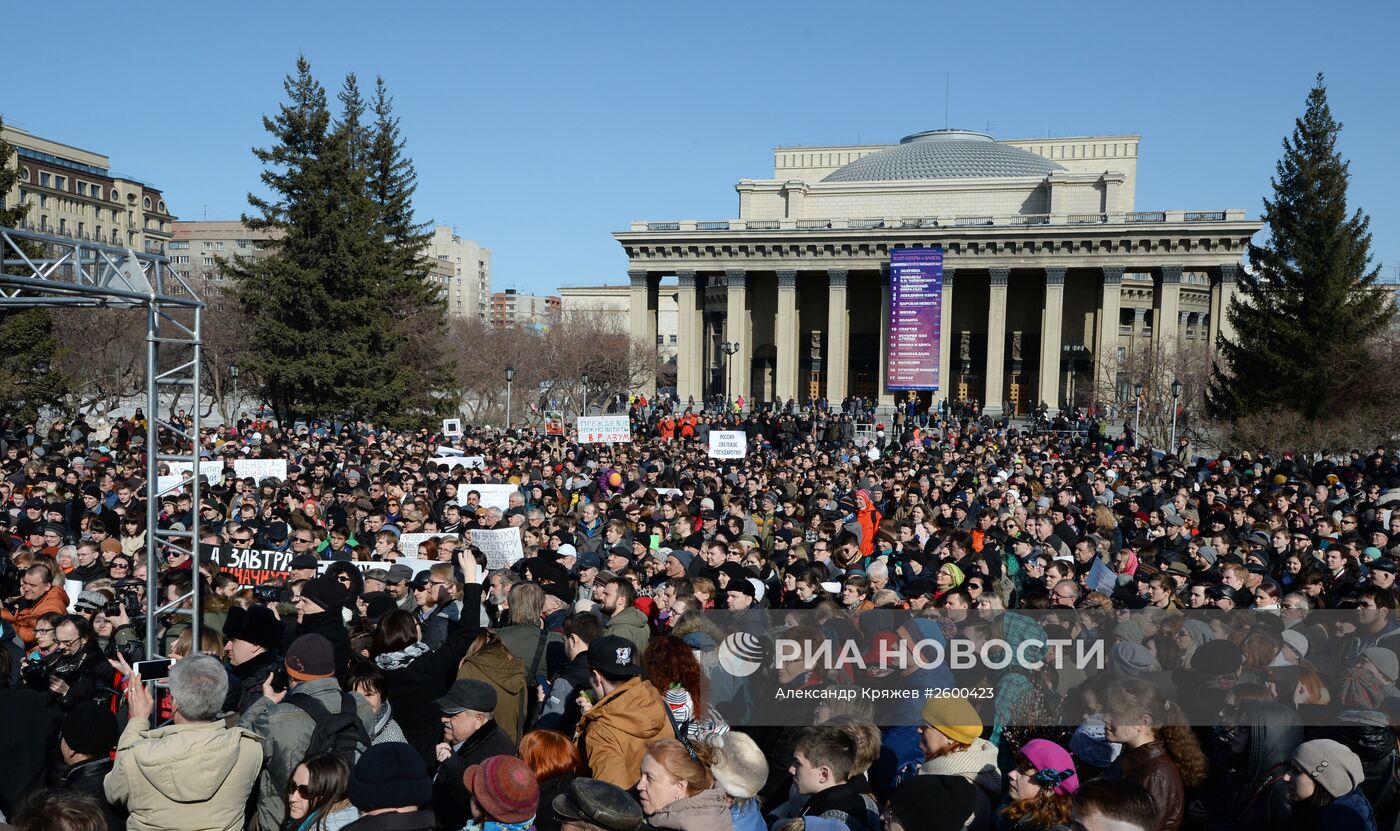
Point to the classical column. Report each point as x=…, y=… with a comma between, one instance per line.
x=1050, y=337
x=1110, y=306
x=785, y=337
x=945, y=339
x=642, y=323
x=738, y=329
x=688, y=347
x=1164, y=327
x=995, y=391
x=1220, y=316
x=838, y=337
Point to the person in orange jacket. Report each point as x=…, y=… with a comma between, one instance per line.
x=869, y=520
x=38, y=597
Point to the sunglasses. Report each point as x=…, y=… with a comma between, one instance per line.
x=302, y=791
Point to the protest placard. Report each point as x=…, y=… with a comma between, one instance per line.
x=254, y=566
x=370, y=565
x=728, y=444
x=1101, y=578
x=604, y=429
x=502, y=547
x=492, y=496
x=169, y=484
x=260, y=469
x=554, y=423
x=452, y=427
x=408, y=543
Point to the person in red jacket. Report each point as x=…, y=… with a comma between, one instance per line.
x=869, y=520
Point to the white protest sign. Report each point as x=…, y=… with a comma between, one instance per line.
x=502, y=547
x=408, y=543
x=492, y=496
x=260, y=469
x=468, y=462
x=167, y=484
x=668, y=491
x=728, y=444
x=452, y=427
x=370, y=565
x=603, y=429
x=74, y=588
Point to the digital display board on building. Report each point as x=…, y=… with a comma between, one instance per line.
x=914, y=327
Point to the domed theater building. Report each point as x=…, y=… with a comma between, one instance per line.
x=1024, y=266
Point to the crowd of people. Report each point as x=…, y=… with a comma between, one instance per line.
x=1244, y=605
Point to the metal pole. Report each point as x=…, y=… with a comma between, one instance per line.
x=196, y=619
x=152, y=476
x=507, y=405
x=1137, y=419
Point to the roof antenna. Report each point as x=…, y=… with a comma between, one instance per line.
x=947, y=90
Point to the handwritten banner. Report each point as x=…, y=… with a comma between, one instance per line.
x=728, y=444
x=254, y=566
x=604, y=429
x=492, y=496
x=501, y=547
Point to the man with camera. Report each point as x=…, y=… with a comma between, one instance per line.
x=79, y=672
x=37, y=597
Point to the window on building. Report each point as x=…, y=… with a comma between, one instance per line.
x=115, y=196
x=24, y=174
x=43, y=222
x=44, y=180
x=60, y=182
x=660, y=340
x=146, y=203
x=208, y=261
x=82, y=188
x=673, y=340
x=180, y=244
x=80, y=229
x=97, y=233
x=62, y=225
x=43, y=200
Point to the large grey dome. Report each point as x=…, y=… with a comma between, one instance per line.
x=944, y=154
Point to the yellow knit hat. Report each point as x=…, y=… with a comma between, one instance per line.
x=954, y=717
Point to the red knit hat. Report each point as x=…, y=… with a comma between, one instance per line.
x=505, y=788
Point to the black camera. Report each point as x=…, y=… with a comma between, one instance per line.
x=267, y=593
x=132, y=651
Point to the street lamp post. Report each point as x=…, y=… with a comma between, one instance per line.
x=233, y=374
x=1176, y=396
x=728, y=348
x=510, y=376
x=583, y=410
x=1137, y=412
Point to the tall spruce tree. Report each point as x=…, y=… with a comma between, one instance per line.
x=1308, y=307
x=332, y=301
x=30, y=351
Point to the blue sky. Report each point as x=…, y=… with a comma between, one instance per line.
x=539, y=128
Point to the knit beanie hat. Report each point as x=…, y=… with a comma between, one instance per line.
x=741, y=769
x=390, y=775
x=90, y=729
x=327, y=592
x=954, y=717
x=1054, y=767
x=954, y=572
x=505, y=788
x=1333, y=765
x=1132, y=659
x=310, y=657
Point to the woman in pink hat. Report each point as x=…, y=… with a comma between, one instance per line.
x=1040, y=786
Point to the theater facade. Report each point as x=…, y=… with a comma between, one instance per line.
x=1049, y=273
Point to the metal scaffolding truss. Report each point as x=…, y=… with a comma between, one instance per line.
x=40, y=270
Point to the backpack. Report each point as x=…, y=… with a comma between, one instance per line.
x=340, y=733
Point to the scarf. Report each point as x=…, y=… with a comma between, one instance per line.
x=493, y=825
x=402, y=658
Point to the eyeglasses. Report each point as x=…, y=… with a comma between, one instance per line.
x=303, y=540
x=68, y=643
x=119, y=567
x=302, y=791
x=48, y=630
